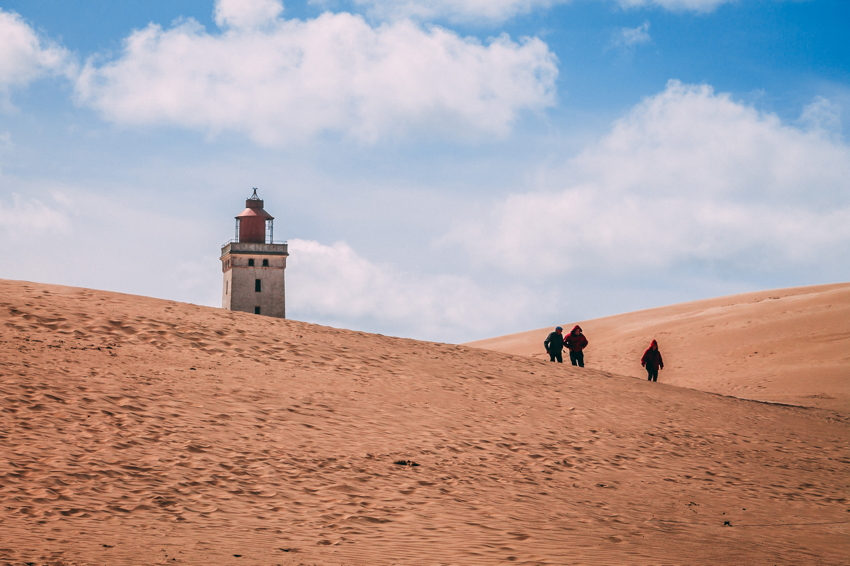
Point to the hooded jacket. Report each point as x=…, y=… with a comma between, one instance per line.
x=554, y=342
x=651, y=359
x=575, y=342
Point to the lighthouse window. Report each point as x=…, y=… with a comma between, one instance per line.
x=258, y=285
x=250, y=263
x=256, y=310
x=265, y=263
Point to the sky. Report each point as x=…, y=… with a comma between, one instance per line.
x=446, y=170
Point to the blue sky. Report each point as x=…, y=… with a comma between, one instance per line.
x=446, y=170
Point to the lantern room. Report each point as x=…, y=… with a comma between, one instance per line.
x=254, y=225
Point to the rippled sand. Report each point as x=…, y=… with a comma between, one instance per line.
x=782, y=346
x=141, y=431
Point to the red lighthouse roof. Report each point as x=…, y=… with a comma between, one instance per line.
x=254, y=207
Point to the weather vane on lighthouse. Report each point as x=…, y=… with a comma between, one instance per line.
x=253, y=264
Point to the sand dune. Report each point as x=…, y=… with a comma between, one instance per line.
x=783, y=346
x=140, y=431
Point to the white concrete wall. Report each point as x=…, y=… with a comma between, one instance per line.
x=238, y=290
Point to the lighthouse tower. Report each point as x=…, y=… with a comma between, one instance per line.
x=253, y=264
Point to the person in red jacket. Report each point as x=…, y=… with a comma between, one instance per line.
x=576, y=342
x=652, y=361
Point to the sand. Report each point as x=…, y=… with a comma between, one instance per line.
x=782, y=346
x=141, y=431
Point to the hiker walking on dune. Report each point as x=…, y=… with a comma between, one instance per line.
x=554, y=343
x=576, y=343
x=652, y=361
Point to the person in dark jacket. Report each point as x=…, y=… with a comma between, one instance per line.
x=652, y=361
x=554, y=343
x=576, y=342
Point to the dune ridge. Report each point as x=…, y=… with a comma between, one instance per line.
x=782, y=346
x=141, y=431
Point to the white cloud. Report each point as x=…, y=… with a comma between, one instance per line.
x=822, y=114
x=292, y=79
x=689, y=177
x=629, y=37
x=24, y=56
x=497, y=11
x=71, y=236
x=677, y=5
x=490, y=11
x=21, y=218
x=247, y=15
x=335, y=285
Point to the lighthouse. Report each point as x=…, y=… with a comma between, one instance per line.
x=253, y=264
